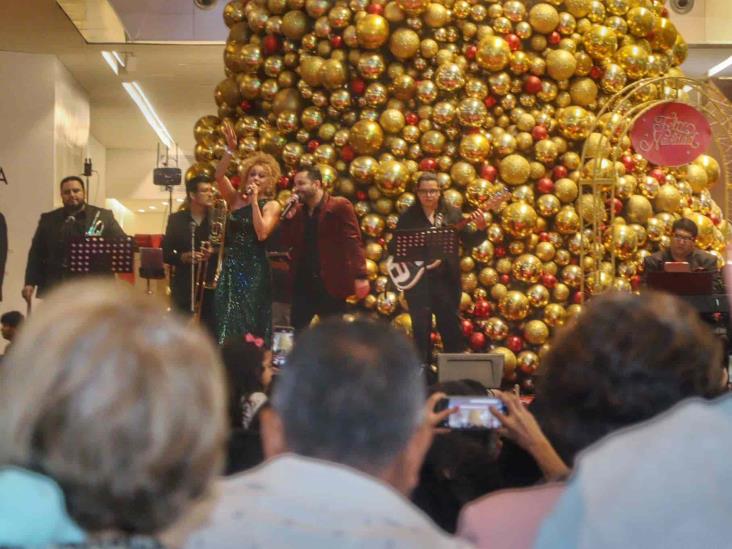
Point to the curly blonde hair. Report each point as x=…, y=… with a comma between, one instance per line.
x=261, y=159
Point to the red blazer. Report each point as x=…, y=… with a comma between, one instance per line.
x=342, y=258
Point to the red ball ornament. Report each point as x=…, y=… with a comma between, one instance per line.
x=505, y=278
x=532, y=84
x=628, y=162
x=489, y=172
x=489, y=101
x=482, y=308
x=235, y=181
x=559, y=172
x=313, y=144
x=361, y=195
x=658, y=174
x=715, y=218
x=596, y=73
x=283, y=182
x=515, y=343
x=545, y=185
x=411, y=118
x=376, y=9
x=635, y=282
x=245, y=105
x=539, y=133
x=466, y=326
x=544, y=236
x=500, y=251
x=549, y=280
x=617, y=206
x=470, y=52
x=347, y=153
x=554, y=38
x=428, y=164
x=271, y=44
x=358, y=86
x=514, y=42
x=336, y=41
x=477, y=341
x=578, y=298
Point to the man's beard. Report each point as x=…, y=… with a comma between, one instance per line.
x=71, y=210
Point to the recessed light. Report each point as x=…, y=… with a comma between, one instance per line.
x=141, y=210
x=153, y=207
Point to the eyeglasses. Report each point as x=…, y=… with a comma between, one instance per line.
x=683, y=238
x=429, y=192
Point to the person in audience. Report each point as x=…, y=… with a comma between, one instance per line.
x=9, y=324
x=345, y=438
x=661, y=484
x=625, y=359
x=249, y=372
x=460, y=466
x=3, y=251
x=113, y=421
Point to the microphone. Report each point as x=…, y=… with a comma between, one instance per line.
x=293, y=201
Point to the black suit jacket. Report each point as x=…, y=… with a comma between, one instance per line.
x=3, y=251
x=47, y=255
x=698, y=261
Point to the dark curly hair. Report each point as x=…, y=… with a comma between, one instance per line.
x=624, y=360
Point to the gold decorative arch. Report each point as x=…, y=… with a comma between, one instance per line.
x=611, y=128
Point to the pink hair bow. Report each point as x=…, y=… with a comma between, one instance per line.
x=258, y=341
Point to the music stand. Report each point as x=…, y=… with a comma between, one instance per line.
x=99, y=255
x=681, y=284
x=151, y=265
x=425, y=244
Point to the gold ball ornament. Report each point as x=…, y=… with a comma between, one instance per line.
x=404, y=43
x=363, y=168
x=493, y=53
x=555, y=315
x=519, y=219
x=583, y=92
x=372, y=31
x=634, y=60
x=668, y=199
x=638, y=209
x=527, y=268
x=600, y=42
x=566, y=190
x=392, y=120
x=538, y=295
x=621, y=240
x=543, y=18
x=403, y=322
x=413, y=7
x=561, y=64
x=536, y=332
x=642, y=21
x=475, y=147
x=366, y=137
x=391, y=178
x=509, y=362
x=387, y=303
x=575, y=123
x=514, y=305
x=697, y=177
x=567, y=221
x=294, y=25
x=514, y=169
x=488, y=276
x=482, y=253
x=711, y=166
x=705, y=237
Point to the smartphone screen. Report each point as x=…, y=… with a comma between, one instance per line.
x=474, y=412
x=282, y=340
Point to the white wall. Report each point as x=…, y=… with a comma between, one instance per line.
x=27, y=132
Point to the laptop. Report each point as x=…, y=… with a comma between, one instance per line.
x=484, y=367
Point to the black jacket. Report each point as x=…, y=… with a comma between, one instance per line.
x=3, y=251
x=699, y=261
x=47, y=254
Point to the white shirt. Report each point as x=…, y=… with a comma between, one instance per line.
x=293, y=501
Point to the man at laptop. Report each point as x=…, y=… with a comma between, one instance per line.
x=683, y=256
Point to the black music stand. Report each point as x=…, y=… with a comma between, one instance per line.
x=99, y=255
x=681, y=284
x=425, y=244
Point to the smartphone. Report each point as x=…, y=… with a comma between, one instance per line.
x=282, y=340
x=474, y=412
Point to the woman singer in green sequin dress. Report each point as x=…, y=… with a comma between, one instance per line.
x=244, y=290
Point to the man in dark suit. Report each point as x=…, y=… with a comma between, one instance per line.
x=682, y=249
x=327, y=253
x=3, y=251
x=47, y=257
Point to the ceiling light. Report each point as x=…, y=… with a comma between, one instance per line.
x=120, y=60
x=137, y=95
x=141, y=210
x=719, y=67
x=179, y=200
x=111, y=61
x=152, y=207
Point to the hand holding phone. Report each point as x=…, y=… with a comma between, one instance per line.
x=474, y=412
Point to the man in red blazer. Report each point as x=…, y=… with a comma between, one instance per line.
x=328, y=261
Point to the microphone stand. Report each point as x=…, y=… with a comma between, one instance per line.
x=193, y=266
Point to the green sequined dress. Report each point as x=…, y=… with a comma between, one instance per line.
x=244, y=291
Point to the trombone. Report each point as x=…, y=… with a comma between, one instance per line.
x=215, y=245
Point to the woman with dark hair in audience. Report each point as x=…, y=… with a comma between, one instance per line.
x=249, y=373
x=625, y=359
x=113, y=421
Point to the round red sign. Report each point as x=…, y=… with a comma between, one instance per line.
x=671, y=134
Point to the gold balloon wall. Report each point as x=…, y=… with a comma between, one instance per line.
x=485, y=93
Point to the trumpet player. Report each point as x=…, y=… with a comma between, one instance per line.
x=186, y=251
